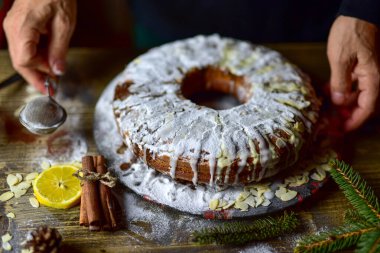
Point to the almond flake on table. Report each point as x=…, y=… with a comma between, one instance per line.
x=6, y=196
x=11, y=215
x=19, y=193
x=6, y=237
x=25, y=185
x=12, y=180
x=7, y=246
x=34, y=202
x=19, y=176
x=31, y=176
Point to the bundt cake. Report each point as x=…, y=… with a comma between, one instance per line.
x=254, y=140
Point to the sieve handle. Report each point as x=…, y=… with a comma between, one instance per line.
x=49, y=85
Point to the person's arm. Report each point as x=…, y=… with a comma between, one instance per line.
x=353, y=53
x=38, y=34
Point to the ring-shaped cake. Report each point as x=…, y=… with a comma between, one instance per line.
x=265, y=134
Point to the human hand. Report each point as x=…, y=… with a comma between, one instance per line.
x=38, y=34
x=353, y=53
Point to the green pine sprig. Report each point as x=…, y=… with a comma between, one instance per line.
x=369, y=242
x=337, y=239
x=352, y=216
x=238, y=233
x=362, y=225
x=356, y=190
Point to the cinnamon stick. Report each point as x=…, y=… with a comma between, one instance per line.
x=107, y=200
x=83, y=220
x=91, y=192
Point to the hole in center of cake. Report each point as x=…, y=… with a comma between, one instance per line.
x=214, y=88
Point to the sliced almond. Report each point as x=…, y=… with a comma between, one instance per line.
x=19, y=176
x=242, y=206
x=259, y=201
x=11, y=215
x=288, y=195
x=25, y=185
x=34, y=202
x=260, y=191
x=299, y=180
x=214, y=204
x=12, y=180
x=321, y=172
x=250, y=201
x=266, y=203
x=231, y=203
x=242, y=196
x=6, y=196
x=6, y=238
x=319, y=175
x=254, y=192
x=19, y=193
x=31, y=176
x=280, y=191
x=7, y=246
x=222, y=203
x=315, y=177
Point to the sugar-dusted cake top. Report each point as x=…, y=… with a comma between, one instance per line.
x=152, y=113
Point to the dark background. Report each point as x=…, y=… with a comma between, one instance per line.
x=112, y=23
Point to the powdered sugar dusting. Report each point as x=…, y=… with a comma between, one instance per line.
x=148, y=182
x=157, y=225
x=158, y=121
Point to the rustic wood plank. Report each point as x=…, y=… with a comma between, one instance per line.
x=89, y=72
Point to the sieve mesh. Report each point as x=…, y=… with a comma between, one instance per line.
x=42, y=112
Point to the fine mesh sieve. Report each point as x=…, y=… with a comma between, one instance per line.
x=43, y=115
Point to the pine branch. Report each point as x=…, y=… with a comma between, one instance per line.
x=352, y=216
x=336, y=239
x=356, y=190
x=238, y=233
x=369, y=242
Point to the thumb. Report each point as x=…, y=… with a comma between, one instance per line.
x=61, y=32
x=340, y=81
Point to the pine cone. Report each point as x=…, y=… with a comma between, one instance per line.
x=43, y=239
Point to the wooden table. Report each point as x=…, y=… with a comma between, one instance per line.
x=89, y=72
